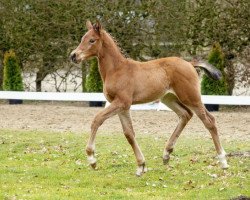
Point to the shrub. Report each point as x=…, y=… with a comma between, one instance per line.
x=208, y=85
x=93, y=80
x=12, y=78
x=1, y=75
x=84, y=74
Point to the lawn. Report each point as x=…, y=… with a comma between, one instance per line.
x=52, y=165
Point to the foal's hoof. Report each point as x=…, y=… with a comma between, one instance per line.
x=224, y=166
x=92, y=161
x=141, y=170
x=166, y=159
x=93, y=165
x=223, y=161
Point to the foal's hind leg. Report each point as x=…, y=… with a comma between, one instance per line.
x=130, y=135
x=209, y=122
x=184, y=115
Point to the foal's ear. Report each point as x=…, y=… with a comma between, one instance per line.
x=97, y=27
x=89, y=25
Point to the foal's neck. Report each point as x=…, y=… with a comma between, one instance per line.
x=110, y=57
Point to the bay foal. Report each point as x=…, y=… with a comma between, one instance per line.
x=125, y=82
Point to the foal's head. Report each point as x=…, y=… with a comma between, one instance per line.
x=90, y=43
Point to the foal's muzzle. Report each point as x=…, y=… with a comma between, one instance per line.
x=73, y=58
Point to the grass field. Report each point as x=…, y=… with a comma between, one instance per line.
x=51, y=165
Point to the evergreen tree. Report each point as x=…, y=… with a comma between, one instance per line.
x=12, y=80
x=208, y=85
x=84, y=74
x=93, y=80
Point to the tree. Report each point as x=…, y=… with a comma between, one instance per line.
x=93, y=80
x=4, y=46
x=225, y=22
x=43, y=33
x=84, y=75
x=215, y=87
x=12, y=73
x=1, y=72
x=40, y=32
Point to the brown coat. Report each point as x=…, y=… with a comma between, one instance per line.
x=172, y=80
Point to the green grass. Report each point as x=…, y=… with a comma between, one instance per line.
x=41, y=165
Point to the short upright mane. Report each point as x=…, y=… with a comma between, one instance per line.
x=111, y=42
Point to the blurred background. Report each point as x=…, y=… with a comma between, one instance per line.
x=42, y=33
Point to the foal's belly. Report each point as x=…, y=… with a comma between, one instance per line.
x=151, y=86
x=149, y=95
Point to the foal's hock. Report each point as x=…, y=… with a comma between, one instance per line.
x=125, y=82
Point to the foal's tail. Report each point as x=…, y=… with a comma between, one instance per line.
x=209, y=69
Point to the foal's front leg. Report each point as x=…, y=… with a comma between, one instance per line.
x=114, y=108
x=130, y=135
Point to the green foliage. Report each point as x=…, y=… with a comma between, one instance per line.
x=226, y=22
x=93, y=80
x=42, y=33
x=208, y=85
x=84, y=74
x=1, y=74
x=12, y=80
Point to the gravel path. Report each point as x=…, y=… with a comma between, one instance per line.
x=48, y=117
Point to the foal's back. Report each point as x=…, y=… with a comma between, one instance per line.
x=158, y=77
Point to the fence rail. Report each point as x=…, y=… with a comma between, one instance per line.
x=53, y=96
x=67, y=96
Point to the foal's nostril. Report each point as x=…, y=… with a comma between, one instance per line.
x=73, y=57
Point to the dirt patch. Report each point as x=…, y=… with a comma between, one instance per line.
x=239, y=154
x=241, y=198
x=232, y=124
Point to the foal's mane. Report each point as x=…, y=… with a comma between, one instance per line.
x=114, y=44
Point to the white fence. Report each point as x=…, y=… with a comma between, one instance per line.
x=53, y=96
x=57, y=96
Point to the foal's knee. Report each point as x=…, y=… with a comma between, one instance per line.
x=210, y=125
x=186, y=116
x=210, y=116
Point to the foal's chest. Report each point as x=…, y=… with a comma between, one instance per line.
x=108, y=93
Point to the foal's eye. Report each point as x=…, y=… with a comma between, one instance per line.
x=91, y=41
